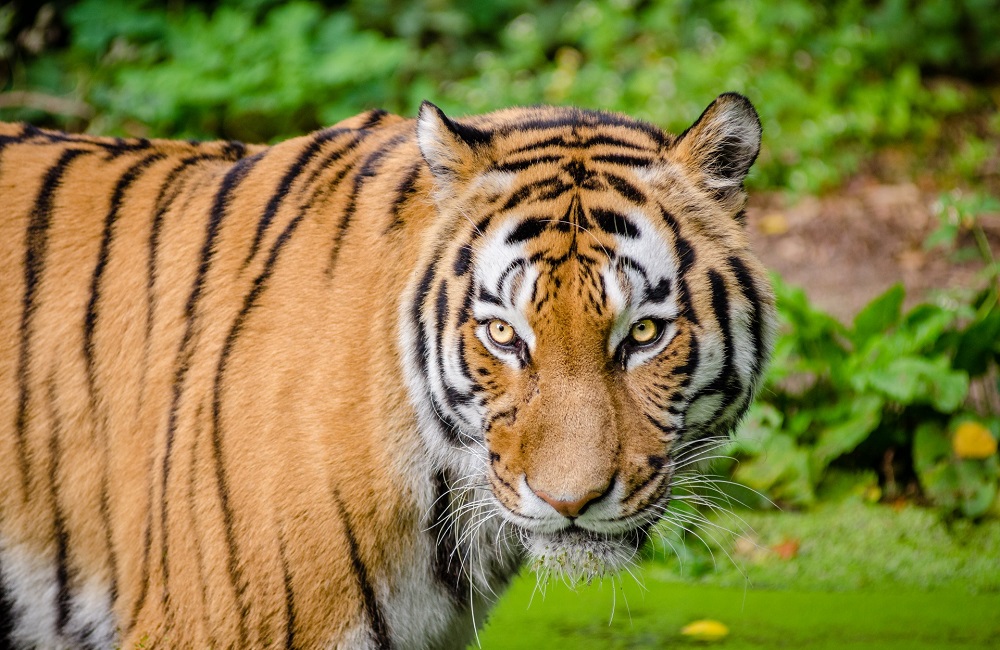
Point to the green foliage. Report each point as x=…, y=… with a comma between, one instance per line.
x=833, y=81
x=891, y=383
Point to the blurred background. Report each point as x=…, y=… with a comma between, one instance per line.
x=858, y=507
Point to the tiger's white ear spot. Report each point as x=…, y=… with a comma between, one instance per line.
x=450, y=149
x=722, y=145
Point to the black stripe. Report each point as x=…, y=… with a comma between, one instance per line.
x=58, y=518
x=623, y=159
x=36, y=247
x=463, y=259
x=6, y=614
x=577, y=117
x=281, y=192
x=249, y=302
x=199, y=550
x=726, y=383
x=686, y=259
x=416, y=315
x=583, y=143
x=444, y=533
x=527, y=229
x=373, y=611
x=368, y=169
x=626, y=189
x=520, y=165
x=687, y=369
x=163, y=203
x=375, y=116
x=615, y=223
x=749, y=290
x=230, y=182
x=659, y=292
x=406, y=190
x=89, y=327
x=289, y=594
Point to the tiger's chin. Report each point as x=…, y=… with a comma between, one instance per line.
x=577, y=555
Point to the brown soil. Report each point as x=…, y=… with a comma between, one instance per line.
x=848, y=247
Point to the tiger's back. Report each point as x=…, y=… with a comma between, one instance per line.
x=242, y=399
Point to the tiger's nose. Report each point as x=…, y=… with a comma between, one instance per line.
x=570, y=507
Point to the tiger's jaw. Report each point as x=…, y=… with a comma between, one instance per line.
x=580, y=555
x=604, y=539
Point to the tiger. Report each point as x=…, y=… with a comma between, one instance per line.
x=338, y=391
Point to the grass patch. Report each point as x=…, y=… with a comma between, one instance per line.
x=863, y=577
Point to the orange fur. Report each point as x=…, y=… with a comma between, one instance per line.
x=212, y=429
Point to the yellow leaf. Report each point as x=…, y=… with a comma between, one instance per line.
x=973, y=441
x=705, y=630
x=773, y=224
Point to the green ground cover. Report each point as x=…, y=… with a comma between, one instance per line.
x=864, y=576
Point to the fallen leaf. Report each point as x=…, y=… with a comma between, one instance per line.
x=705, y=630
x=973, y=441
x=787, y=549
x=773, y=224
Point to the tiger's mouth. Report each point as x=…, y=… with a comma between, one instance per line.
x=581, y=555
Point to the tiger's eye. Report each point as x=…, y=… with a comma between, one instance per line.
x=501, y=332
x=644, y=331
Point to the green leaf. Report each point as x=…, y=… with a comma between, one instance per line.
x=879, y=315
x=836, y=440
x=977, y=342
x=930, y=447
x=977, y=487
x=914, y=380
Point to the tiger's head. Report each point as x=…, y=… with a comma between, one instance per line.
x=589, y=308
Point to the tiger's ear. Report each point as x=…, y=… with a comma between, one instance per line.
x=722, y=145
x=452, y=150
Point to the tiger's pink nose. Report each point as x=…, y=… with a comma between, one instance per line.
x=569, y=507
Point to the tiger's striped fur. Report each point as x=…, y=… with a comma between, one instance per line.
x=250, y=396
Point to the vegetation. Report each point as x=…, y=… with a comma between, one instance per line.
x=834, y=81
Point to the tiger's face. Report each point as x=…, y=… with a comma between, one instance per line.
x=600, y=312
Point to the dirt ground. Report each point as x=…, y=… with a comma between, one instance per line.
x=848, y=247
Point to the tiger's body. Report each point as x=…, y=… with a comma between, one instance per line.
x=264, y=396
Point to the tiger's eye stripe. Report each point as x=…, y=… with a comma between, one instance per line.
x=369, y=168
x=447, y=565
x=370, y=604
x=185, y=352
x=36, y=249
x=284, y=185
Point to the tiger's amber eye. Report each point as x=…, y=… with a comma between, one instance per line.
x=501, y=332
x=644, y=331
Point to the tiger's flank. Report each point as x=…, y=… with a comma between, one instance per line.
x=335, y=392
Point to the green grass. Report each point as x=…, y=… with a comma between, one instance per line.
x=865, y=577
x=757, y=619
